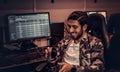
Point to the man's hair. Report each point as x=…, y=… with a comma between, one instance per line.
x=80, y=16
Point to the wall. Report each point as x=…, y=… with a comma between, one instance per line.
x=59, y=10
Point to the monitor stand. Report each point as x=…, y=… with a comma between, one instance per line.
x=27, y=44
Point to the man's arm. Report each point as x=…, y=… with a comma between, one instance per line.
x=95, y=59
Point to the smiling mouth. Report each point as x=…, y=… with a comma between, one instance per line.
x=73, y=34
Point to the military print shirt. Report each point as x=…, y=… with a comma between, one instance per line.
x=90, y=52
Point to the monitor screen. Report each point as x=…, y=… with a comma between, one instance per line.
x=28, y=25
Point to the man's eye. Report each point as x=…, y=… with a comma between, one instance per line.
x=74, y=27
x=69, y=26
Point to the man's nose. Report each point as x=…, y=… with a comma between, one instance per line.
x=71, y=29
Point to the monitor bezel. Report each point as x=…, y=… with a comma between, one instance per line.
x=7, y=32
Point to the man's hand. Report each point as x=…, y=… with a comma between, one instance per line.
x=48, y=51
x=66, y=67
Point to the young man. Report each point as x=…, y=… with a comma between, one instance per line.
x=79, y=51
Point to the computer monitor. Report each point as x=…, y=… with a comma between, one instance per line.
x=27, y=26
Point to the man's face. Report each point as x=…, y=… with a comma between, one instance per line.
x=75, y=29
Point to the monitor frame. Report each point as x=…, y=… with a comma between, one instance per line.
x=7, y=29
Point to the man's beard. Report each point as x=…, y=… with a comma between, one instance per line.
x=76, y=38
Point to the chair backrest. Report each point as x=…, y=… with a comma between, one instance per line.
x=97, y=27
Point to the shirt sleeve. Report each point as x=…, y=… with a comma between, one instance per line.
x=96, y=58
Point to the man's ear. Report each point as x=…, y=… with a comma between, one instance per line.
x=85, y=27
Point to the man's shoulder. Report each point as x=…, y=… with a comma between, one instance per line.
x=94, y=40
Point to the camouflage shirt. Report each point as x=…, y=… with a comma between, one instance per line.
x=91, y=52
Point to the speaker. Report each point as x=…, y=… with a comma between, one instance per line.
x=57, y=32
x=1, y=38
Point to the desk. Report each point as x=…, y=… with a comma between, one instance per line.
x=26, y=58
x=33, y=67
